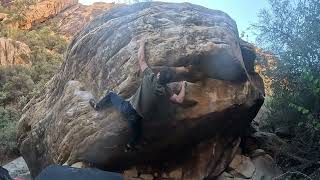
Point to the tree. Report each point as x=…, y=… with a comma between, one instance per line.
x=15, y=82
x=18, y=83
x=15, y=87
x=291, y=30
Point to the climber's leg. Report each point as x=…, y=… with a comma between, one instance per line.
x=134, y=122
x=132, y=117
x=110, y=98
x=118, y=102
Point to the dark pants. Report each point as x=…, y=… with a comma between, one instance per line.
x=4, y=174
x=132, y=117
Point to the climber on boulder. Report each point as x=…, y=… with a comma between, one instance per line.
x=142, y=104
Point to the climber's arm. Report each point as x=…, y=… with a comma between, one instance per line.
x=180, y=97
x=141, y=56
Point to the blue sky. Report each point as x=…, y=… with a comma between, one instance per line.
x=244, y=12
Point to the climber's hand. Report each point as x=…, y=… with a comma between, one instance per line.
x=142, y=42
x=183, y=84
x=141, y=56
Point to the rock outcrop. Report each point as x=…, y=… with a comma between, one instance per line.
x=44, y=10
x=67, y=17
x=18, y=168
x=266, y=62
x=14, y=52
x=3, y=16
x=5, y=3
x=73, y=19
x=260, y=166
x=196, y=140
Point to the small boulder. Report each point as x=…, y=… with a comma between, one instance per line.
x=18, y=168
x=225, y=176
x=257, y=152
x=266, y=168
x=242, y=166
x=14, y=52
x=3, y=16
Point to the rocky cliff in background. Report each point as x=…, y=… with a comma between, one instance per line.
x=14, y=52
x=73, y=19
x=199, y=139
x=65, y=16
x=44, y=10
x=266, y=62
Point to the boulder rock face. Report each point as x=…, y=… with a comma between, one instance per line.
x=43, y=10
x=73, y=19
x=193, y=141
x=13, y=52
x=206, y=160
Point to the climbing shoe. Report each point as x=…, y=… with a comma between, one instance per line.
x=92, y=103
x=131, y=148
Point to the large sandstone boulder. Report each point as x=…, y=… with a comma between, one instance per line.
x=14, y=52
x=205, y=160
x=59, y=127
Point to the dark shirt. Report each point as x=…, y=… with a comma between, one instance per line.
x=149, y=95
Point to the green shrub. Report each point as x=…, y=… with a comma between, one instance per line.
x=46, y=56
x=37, y=39
x=290, y=29
x=15, y=34
x=15, y=82
x=8, y=120
x=4, y=10
x=45, y=38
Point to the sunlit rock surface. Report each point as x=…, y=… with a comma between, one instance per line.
x=14, y=52
x=59, y=127
x=43, y=10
